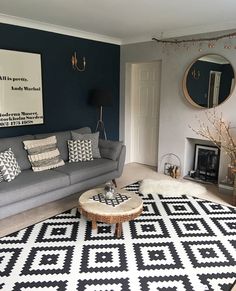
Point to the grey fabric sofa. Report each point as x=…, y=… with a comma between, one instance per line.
x=32, y=189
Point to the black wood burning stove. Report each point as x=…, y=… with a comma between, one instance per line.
x=206, y=162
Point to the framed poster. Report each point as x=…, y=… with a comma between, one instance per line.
x=21, y=101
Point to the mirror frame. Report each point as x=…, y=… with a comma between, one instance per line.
x=184, y=86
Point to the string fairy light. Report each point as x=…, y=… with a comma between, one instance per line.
x=185, y=43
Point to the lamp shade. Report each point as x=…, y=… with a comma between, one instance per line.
x=100, y=98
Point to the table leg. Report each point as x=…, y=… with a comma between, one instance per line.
x=114, y=182
x=94, y=224
x=118, y=230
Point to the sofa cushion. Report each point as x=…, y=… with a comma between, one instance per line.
x=43, y=153
x=8, y=165
x=1, y=177
x=86, y=170
x=94, y=139
x=62, y=137
x=17, y=146
x=29, y=184
x=110, y=149
x=83, y=130
x=80, y=150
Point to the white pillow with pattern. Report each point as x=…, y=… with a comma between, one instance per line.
x=43, y=153
x=80, y=150
x=1, y=177
x=9, y=167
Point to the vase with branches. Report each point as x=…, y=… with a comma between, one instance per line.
x=219, y=132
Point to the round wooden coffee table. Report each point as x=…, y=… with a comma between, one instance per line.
x=97, y=211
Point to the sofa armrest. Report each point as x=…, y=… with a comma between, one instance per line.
x=110, y=149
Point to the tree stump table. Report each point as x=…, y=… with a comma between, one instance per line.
x=94, y=206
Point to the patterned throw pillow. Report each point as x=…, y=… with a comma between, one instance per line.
x=80, y=150
x=1, y=177
x=9, y=167
x=89, y=136
x=43, y=153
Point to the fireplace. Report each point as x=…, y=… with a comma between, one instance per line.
x=206, y=163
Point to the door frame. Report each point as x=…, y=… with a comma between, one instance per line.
x=127, y=105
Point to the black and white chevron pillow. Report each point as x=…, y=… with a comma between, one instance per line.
x=1, y=177
x=80, y=150
x=9, y=167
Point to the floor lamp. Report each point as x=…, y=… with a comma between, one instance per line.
x=101, y=98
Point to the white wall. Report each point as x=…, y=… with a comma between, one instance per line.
x=176, y=114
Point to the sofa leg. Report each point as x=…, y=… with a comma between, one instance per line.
x=114, y=182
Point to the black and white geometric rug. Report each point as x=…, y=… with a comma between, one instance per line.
x=178, y=243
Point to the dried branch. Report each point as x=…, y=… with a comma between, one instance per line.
x=218, y=132
x=178, y=41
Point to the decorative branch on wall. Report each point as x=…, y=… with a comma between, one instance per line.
x=74, y=62
x=186, y=43
x=218, y=131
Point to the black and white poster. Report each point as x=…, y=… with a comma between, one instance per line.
x=21, y=101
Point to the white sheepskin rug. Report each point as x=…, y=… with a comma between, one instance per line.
x=170, y=187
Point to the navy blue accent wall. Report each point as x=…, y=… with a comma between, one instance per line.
x=65, y=92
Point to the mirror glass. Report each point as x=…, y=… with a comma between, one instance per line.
x=208, y=81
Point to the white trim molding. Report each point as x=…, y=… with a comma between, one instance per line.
x=13, y=20
x=187, y=31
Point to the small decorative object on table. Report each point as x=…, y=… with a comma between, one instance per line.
x=110, y=191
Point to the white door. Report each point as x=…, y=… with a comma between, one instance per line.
x=145, y=96
x=214, y=88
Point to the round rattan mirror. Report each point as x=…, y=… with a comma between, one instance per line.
x=208, y=81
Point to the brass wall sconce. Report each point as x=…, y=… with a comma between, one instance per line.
x=74, y=62
x=196, y=74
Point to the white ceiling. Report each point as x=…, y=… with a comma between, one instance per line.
x=122, y=21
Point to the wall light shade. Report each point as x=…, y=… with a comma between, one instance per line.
x=100, y=98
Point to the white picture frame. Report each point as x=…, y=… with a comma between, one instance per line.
x=21, y=98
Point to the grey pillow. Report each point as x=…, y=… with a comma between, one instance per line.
x=83, y=130
x=110, y=149
x=89, y=136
